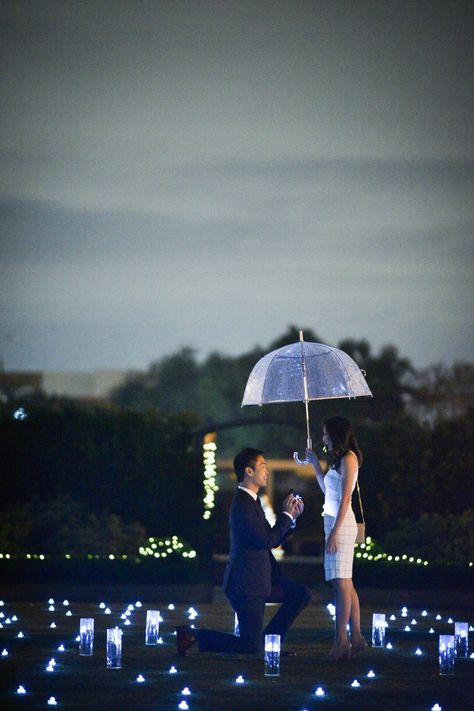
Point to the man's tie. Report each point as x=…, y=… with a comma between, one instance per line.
x=259, y=504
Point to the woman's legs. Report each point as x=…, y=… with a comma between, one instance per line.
x=347, y=612
x=357, y=640
x=355, y=614
x=342, y=602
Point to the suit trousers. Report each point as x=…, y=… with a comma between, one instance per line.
x=250, y=612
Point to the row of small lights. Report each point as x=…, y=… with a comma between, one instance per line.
x=161, y=548
x=210, y=478
x=368, y=546
x=156, y=547
x=367, y=555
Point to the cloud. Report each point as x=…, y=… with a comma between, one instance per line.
x=214, y=171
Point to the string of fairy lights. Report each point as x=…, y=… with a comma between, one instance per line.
x=210, y=477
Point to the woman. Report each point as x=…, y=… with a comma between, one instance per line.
x=340, y=530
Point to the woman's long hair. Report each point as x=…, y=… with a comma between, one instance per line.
x=343, y=440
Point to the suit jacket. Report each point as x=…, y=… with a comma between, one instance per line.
x=252, y=568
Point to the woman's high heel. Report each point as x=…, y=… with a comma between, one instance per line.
x=359, y=647
x=340, y=653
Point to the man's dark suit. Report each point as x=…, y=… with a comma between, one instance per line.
x=252, y=577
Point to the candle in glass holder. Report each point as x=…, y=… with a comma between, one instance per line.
x=446, y=654
x=272, y=655
x=461, y=639
x=114, y=648
x=86, y=636
x=152, y=628
x=378, y=629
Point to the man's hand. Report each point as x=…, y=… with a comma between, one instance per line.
x=293, y=506
x=300, y=506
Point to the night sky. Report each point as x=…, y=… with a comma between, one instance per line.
x=206, y=173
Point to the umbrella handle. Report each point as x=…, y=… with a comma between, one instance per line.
x=309, y=445
x=298, y=460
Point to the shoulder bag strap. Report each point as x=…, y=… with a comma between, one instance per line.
x=360, y=500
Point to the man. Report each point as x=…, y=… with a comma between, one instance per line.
x=252, y=576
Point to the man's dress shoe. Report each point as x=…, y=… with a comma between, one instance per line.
x=184, y=639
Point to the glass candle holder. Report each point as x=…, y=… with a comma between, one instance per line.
x=446, y=654
x=152, y=627
x=86, y=636
x=461, y=639
x=114, y=648
x=378, y=629
x=272, y=655
x=236, y=626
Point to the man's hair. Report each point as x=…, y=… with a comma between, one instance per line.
x=245, y=458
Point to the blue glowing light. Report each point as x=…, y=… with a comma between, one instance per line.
x=20, y=414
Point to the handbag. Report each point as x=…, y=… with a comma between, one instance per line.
x=360, y=538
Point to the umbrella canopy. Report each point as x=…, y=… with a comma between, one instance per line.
x=279, y=376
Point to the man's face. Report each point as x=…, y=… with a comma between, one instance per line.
x=260, y=472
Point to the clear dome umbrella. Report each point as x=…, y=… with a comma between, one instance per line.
x=301, y=372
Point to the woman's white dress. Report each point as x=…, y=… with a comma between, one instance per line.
x=338, y=564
